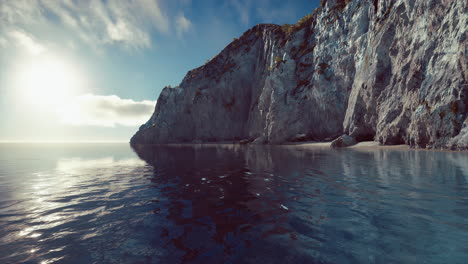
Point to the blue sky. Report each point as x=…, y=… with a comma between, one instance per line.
x=92, y=70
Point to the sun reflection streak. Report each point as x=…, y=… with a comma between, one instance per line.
x=34, y=235
x=52, y=260
x=29, y=232
x=54, y=191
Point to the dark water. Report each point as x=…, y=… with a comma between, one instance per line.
x=103, y=203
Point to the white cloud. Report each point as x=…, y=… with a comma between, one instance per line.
x=96, y=22
x=183, y=25
x=19, y=11
x=149, y=10
x=26, y=41
x=107, y=111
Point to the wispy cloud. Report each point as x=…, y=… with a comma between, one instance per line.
x=183, y=25
x=96, y=22
x=107, y=111
x=26, y=41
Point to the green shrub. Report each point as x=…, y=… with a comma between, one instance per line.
x=288, y=28
x=303, y=20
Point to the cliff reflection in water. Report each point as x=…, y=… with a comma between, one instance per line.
x=282, y=204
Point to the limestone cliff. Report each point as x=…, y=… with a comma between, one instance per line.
x=388, y=70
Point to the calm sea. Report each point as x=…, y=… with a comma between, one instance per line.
x=108, y=203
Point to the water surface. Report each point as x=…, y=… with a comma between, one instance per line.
x=107, y=203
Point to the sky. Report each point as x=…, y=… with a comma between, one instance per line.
x=91, y=70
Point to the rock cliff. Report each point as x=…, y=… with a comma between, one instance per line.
x=388, y=70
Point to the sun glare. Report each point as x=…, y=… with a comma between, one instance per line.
x=48, y=82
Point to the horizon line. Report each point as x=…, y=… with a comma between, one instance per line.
x=63, y=141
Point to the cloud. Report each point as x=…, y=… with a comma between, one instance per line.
x=96, y=22
x=183, y=25
x=105, y=110
x=26, y=41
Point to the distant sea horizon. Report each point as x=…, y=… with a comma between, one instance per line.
x=62, y=141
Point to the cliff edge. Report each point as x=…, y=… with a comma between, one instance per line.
x=388, y=70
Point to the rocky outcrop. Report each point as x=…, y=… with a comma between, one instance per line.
x=388, y=70
x=343, y=141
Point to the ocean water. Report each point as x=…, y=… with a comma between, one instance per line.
x=109, y=203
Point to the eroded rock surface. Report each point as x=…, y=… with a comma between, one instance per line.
x=343, y=141
x=386, y=70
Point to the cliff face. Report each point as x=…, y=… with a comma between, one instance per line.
x=388, y=70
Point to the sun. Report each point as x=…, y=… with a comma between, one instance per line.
x=48, y=82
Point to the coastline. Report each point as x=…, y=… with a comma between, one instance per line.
x=362, y=146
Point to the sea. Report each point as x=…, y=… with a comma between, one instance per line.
x=113, y=203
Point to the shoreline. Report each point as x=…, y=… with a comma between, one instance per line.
x=360, y=145
x=364, y=145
